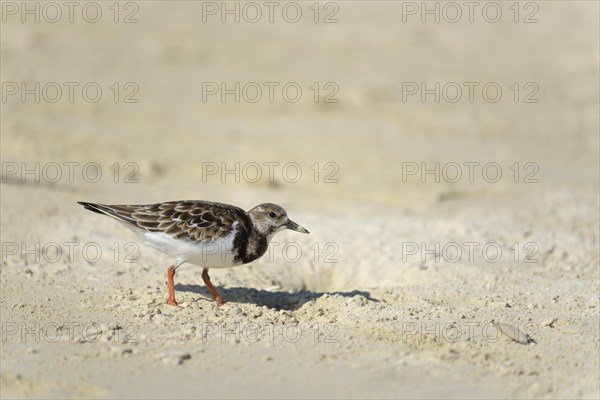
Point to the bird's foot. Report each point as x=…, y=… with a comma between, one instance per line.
x=174, y=303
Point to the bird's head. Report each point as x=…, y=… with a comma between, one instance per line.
x=269, y=218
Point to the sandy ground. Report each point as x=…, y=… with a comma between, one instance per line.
x=395, y=291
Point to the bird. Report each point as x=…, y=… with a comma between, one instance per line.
x=203, y=233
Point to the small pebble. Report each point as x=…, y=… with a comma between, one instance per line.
x=174, y=357
x=120, y=350
x=257, y=313
x=234, y=311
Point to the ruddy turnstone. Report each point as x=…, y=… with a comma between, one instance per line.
x=203, y=233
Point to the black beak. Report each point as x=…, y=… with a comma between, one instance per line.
x=295, y=227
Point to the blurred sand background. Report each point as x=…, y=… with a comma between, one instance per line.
x=375, y=321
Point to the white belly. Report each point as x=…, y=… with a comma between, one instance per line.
x=215, y=254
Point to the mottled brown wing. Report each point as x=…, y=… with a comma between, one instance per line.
x=188, y=220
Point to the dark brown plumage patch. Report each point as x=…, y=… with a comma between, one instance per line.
x=195, y=221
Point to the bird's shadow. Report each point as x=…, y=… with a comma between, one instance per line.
x=275, y=300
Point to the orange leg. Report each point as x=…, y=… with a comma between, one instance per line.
x=170, y=274
x=210, y=287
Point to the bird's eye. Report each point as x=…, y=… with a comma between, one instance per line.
x=272, y=214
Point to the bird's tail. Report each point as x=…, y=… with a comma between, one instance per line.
x=120, y=213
